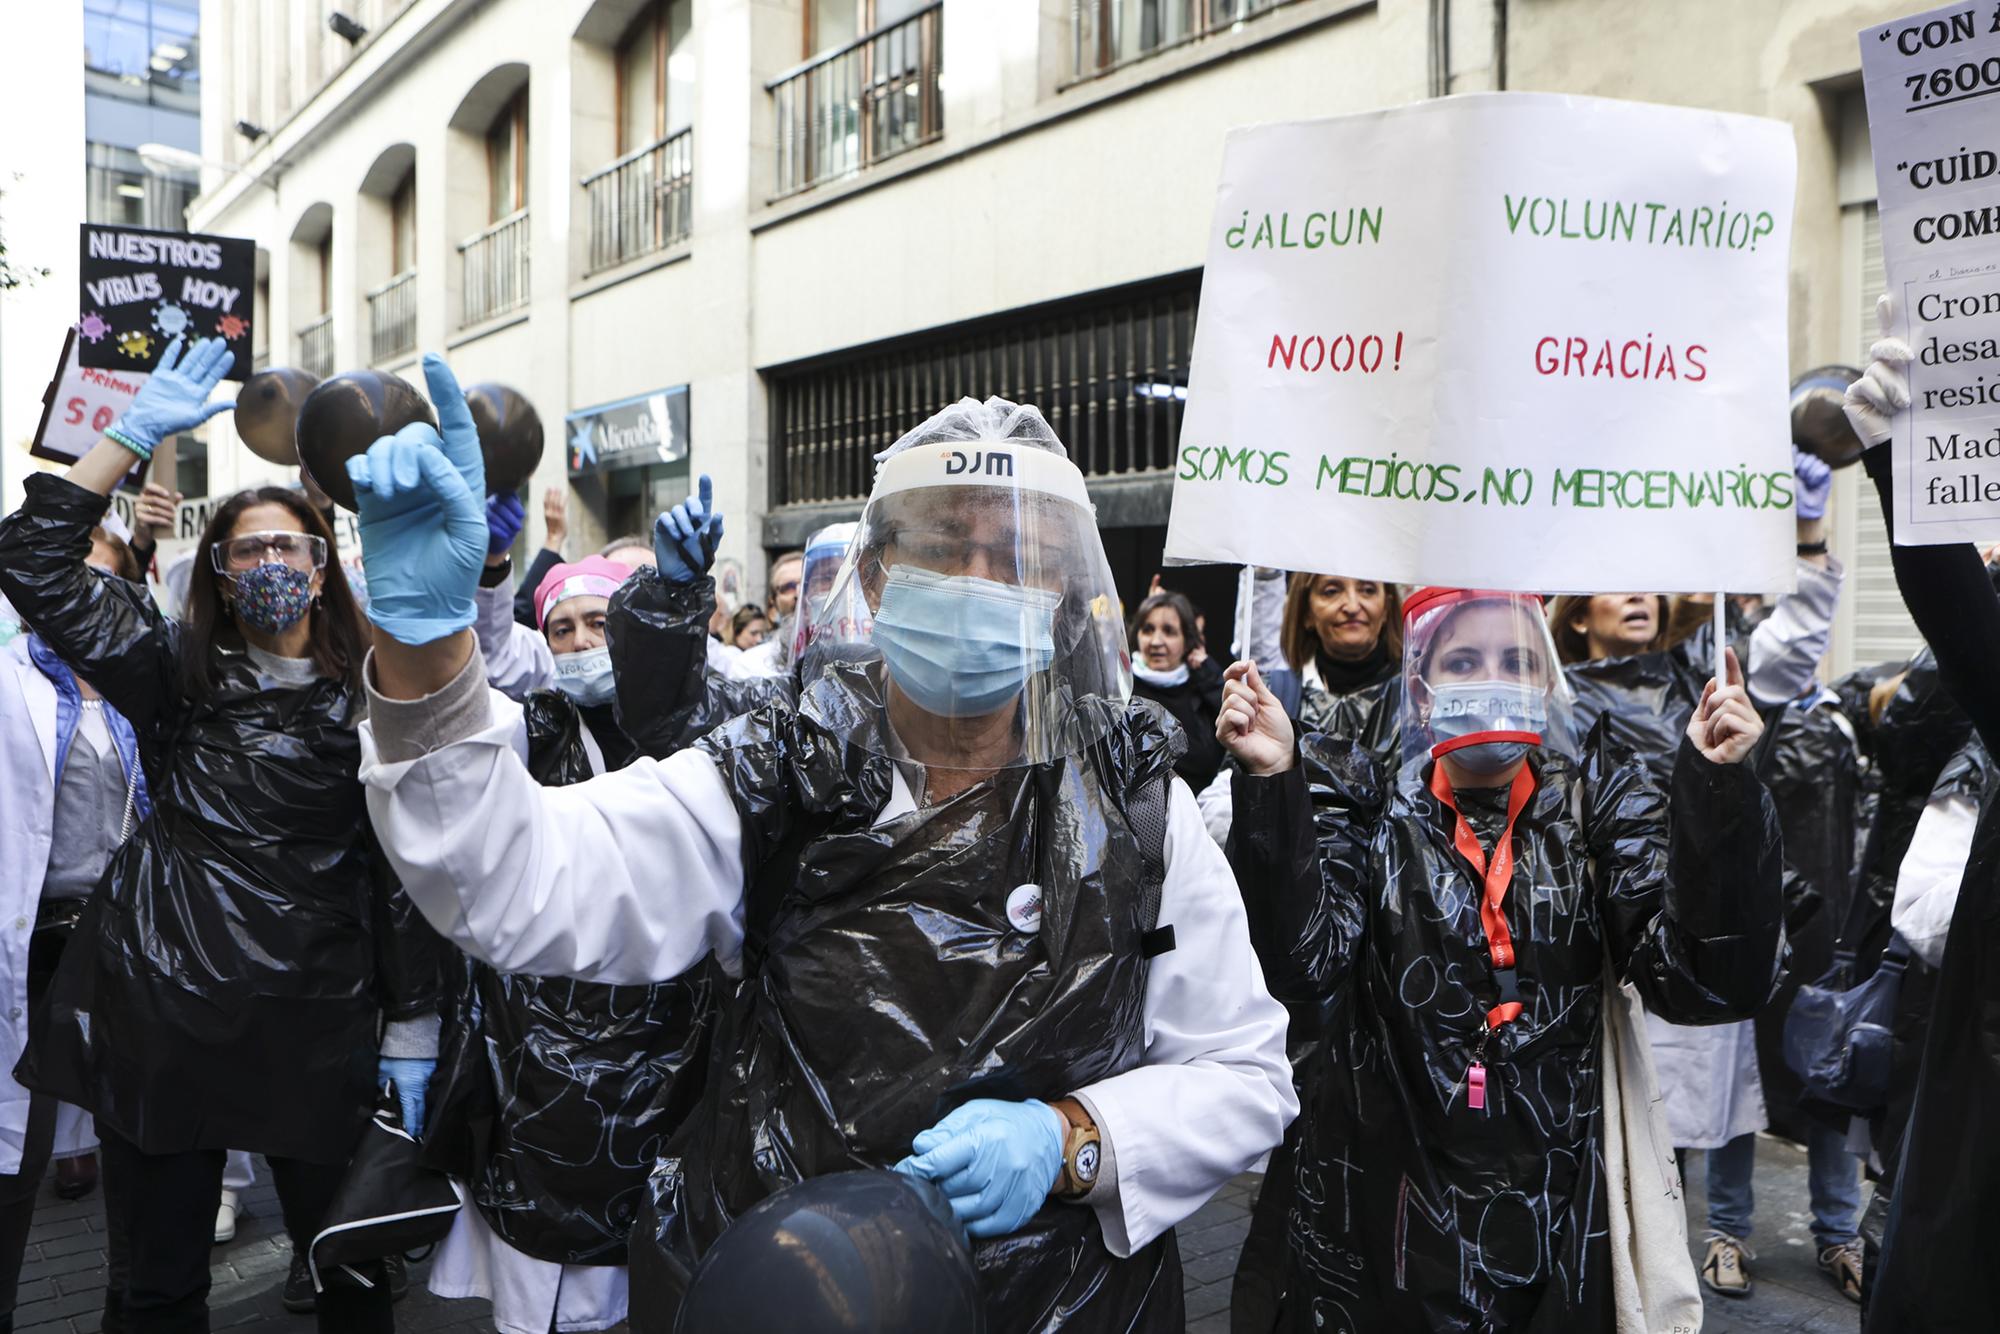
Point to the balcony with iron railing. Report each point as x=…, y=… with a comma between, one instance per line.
x=392, y=317
x=1105, y=34
x=844, y=111
x=316, y=347
x=641, y=203
x=495, y=269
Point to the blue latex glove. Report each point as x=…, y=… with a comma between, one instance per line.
x=504, y=516
x=420, y=499
x=175, y=396
x=685, y=537
x=1815, y=484
x=412, y=1075
x=995, y=1161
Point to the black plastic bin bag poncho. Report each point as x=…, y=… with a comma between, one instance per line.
x=1416, y=1209
x=885, y=985
x=226, y=984
x=554, y=1098
x=1815, y=782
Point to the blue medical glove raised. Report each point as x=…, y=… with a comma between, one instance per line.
x=175, y=396
x=504, y=516
x=1815, y=484
x=995, y=1161
x=685, y=537
x=420, y=499
x=412, y=1075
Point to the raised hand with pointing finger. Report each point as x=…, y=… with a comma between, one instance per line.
x=685, y=537
x=1725, y=726
x=1252, y=725
x=420, y=496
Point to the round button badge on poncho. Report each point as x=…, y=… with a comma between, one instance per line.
x=1024, y=907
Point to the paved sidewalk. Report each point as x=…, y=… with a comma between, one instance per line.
x=62, y=1282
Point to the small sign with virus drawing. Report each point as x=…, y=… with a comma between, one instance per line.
x=141, y=289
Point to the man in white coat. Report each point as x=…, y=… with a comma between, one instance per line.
x=977, y=930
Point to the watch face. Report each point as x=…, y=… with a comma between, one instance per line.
x=1086, y=1162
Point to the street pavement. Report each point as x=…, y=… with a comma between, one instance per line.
x=62, y=1281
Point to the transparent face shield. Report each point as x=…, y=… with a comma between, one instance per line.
x=973, y=621
x=845, y=622
x=1481, y=681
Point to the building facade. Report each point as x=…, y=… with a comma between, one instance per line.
x=760, y=238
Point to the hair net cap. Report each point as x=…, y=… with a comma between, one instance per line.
x=968, y=421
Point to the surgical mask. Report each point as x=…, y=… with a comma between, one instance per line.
x=1467, y=708
x=273, y=597
x=1164, y=680
x=960, y=646
x=586, y=676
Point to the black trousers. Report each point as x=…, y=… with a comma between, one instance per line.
x=166, y=1207
x=17, y=1201
x=17, y=1192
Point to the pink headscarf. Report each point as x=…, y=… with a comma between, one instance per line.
x=593, y=576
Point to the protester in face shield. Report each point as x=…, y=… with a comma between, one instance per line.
x=1942, y=1229
x=1459, y=917
x=932, y=878
x=250, y=945
x=73, y=789
x=553, y=1096
x=1163, y=633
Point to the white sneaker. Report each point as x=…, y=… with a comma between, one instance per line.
x=225, y=1218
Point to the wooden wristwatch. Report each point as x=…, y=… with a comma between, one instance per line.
x=1082, y=1151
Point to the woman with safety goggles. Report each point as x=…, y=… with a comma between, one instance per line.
x=1464, y=919
x=246, y=947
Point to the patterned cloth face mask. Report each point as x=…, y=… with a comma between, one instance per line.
x=273, y=597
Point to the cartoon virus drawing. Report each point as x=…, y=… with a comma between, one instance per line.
x=232, y=327
x=135, y=345
x=170, y=319
x=93, y=326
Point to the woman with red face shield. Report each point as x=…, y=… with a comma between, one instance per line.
x=1466, y=919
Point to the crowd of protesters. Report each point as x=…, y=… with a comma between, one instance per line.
x=636, y=913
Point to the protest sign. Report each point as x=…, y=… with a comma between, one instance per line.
x=142, y=288
x=1936, y=138
x=78, y=404
x=1508, y=341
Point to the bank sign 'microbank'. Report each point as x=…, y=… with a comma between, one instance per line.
x=651, y=428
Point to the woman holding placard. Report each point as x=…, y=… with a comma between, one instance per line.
x=1464, y=920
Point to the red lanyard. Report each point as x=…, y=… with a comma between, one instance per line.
x=1496, y=877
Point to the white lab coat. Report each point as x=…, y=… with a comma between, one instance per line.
x=27, y=814
x=636, y=875
x=750, y=664
x=1927, y=881
x=518, y=660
